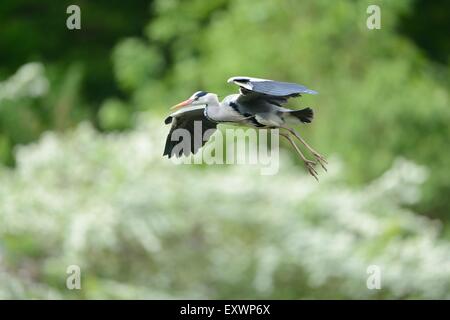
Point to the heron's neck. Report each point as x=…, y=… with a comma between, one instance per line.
x=213, y=103
x=213, y=109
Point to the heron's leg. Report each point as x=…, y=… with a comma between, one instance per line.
x=317, y=155
x=308, y=163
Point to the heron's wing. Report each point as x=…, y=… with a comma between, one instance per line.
x=264, y=99
x=193, y=137
x=270, y=87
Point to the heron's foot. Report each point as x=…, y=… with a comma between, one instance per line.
x=320, y=159
x=310, y=166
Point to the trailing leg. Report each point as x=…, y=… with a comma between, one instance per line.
x=308, y=163
x=317, y=155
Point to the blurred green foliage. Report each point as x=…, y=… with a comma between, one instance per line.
x=379, y=95
x=111, y=204
x=31, y=30
x=77, y=63
x=428, y=24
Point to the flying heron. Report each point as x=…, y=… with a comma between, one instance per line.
x=259, y=104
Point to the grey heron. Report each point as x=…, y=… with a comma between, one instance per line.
x=259, y=104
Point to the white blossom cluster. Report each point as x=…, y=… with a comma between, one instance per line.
x=28, y=81
x=141, y=227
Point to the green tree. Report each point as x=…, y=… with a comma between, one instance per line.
x=379, y=96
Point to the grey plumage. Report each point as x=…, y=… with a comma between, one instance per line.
x=263, y=101
x=271, y=87
x=260, y=104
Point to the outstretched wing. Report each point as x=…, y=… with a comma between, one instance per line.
x=270, y=87
x=264, y=99
x=191, y=137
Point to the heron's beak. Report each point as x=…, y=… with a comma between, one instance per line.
x=182, y=104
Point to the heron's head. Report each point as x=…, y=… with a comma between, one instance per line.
x=198, y=98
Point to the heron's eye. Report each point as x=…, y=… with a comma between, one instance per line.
x=201, y=94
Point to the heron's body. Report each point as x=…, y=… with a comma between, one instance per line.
x=260, y=104
x=257, y=113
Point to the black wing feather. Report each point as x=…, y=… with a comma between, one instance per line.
x=186, y=120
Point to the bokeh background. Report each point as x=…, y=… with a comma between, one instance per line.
x=83, y=181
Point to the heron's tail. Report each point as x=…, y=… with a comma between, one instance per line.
x=305, y=115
